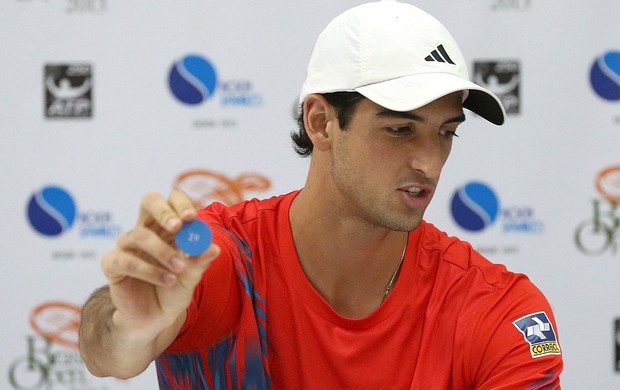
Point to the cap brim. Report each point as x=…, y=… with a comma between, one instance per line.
x=412, y=92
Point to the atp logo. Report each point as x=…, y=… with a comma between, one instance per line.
x=193, y=79
x=51, y=210
x=538, y=332
x=475, y=206
x=503, y=78
x=68, y=90
x=605, y=76
x=617, y=344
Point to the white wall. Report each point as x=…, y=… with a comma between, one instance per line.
x=131, y=135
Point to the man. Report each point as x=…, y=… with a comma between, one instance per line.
x=340, y=285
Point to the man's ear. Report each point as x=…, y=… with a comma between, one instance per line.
x=319, y=120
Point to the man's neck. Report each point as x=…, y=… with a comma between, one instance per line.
x=349, y=262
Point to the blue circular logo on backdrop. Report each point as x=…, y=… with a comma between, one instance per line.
x=475, y=206
x=605, y=76
x=192, y=79
x=51, y=211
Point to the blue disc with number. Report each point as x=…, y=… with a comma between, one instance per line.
x=194, y=237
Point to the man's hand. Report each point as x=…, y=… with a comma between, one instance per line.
x=151, y=283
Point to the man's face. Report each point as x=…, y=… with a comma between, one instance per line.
x=386, y=164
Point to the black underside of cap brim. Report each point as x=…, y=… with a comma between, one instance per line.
x=484, y=105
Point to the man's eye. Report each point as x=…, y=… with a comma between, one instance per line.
x=448, y=133
x=399, y=130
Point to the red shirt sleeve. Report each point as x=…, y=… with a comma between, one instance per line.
x=215, y=308
x=515, y=343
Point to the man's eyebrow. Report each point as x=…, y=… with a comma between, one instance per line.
x=385, y=113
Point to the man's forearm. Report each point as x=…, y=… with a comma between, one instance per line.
x=105, y=350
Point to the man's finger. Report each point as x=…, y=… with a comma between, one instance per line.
x=196, y=266
x=183, y=205
x=118, y=265
x=144, y=241
x=155, y=208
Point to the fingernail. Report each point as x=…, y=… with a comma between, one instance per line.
x=172, y=222
x=177, y=263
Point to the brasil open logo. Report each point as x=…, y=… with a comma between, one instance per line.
x=605, y=76
x=51, y=210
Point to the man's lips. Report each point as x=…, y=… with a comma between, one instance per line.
x=414, y=190
x=416, y=195
x=417, y=189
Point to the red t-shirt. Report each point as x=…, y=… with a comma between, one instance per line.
x=453, y=320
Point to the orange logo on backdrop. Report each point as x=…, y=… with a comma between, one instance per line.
x=206, y=187
x=608, y=184
x=58, y=322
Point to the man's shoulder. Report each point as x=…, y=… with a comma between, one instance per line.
x=246, y=211
x=461, y=257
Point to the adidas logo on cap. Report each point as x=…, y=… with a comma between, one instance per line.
x=439, y=55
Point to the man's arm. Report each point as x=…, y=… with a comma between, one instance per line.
x=516, y=343
x=107, y=351
x=128, y=323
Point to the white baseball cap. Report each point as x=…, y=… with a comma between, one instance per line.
x=396, y=55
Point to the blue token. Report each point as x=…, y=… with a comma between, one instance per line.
x=194, y=237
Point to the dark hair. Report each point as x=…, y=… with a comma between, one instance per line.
x=344, y=103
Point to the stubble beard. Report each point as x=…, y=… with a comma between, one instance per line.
x=374, y=208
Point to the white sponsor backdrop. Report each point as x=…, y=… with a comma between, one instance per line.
x=129, y=134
